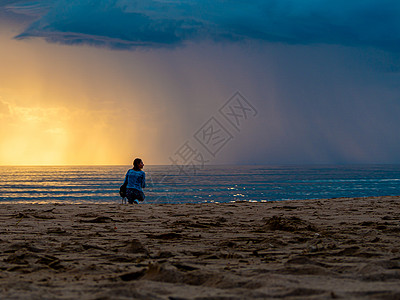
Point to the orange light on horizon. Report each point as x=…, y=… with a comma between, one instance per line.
x=57, y=136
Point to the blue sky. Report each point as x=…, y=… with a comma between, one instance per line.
x=323, y=75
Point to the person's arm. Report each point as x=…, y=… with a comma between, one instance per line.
x=126, y=178
x=144, y=180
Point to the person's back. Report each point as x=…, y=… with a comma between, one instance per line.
x=135, y=179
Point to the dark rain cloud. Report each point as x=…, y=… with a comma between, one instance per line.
x=168, y=23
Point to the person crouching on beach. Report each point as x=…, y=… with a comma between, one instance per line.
x=135, y=180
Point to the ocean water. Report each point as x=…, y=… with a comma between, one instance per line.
x=100, y=184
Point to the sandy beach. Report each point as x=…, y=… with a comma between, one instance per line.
x=308, y=249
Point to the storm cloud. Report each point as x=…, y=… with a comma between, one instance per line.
x=147, y=23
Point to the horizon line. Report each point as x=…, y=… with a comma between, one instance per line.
x=216, y=164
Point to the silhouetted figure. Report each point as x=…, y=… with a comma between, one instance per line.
x=135, y=181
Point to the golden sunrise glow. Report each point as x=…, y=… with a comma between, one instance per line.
x=48, y=136
x=69, y=108
x=30, y=139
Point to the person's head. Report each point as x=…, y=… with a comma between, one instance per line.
x=138, y=164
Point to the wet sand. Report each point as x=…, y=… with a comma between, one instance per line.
x=314, y=249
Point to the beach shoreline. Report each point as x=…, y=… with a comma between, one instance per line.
x=301, y=249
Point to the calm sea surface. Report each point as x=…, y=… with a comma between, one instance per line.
x=100, y=184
